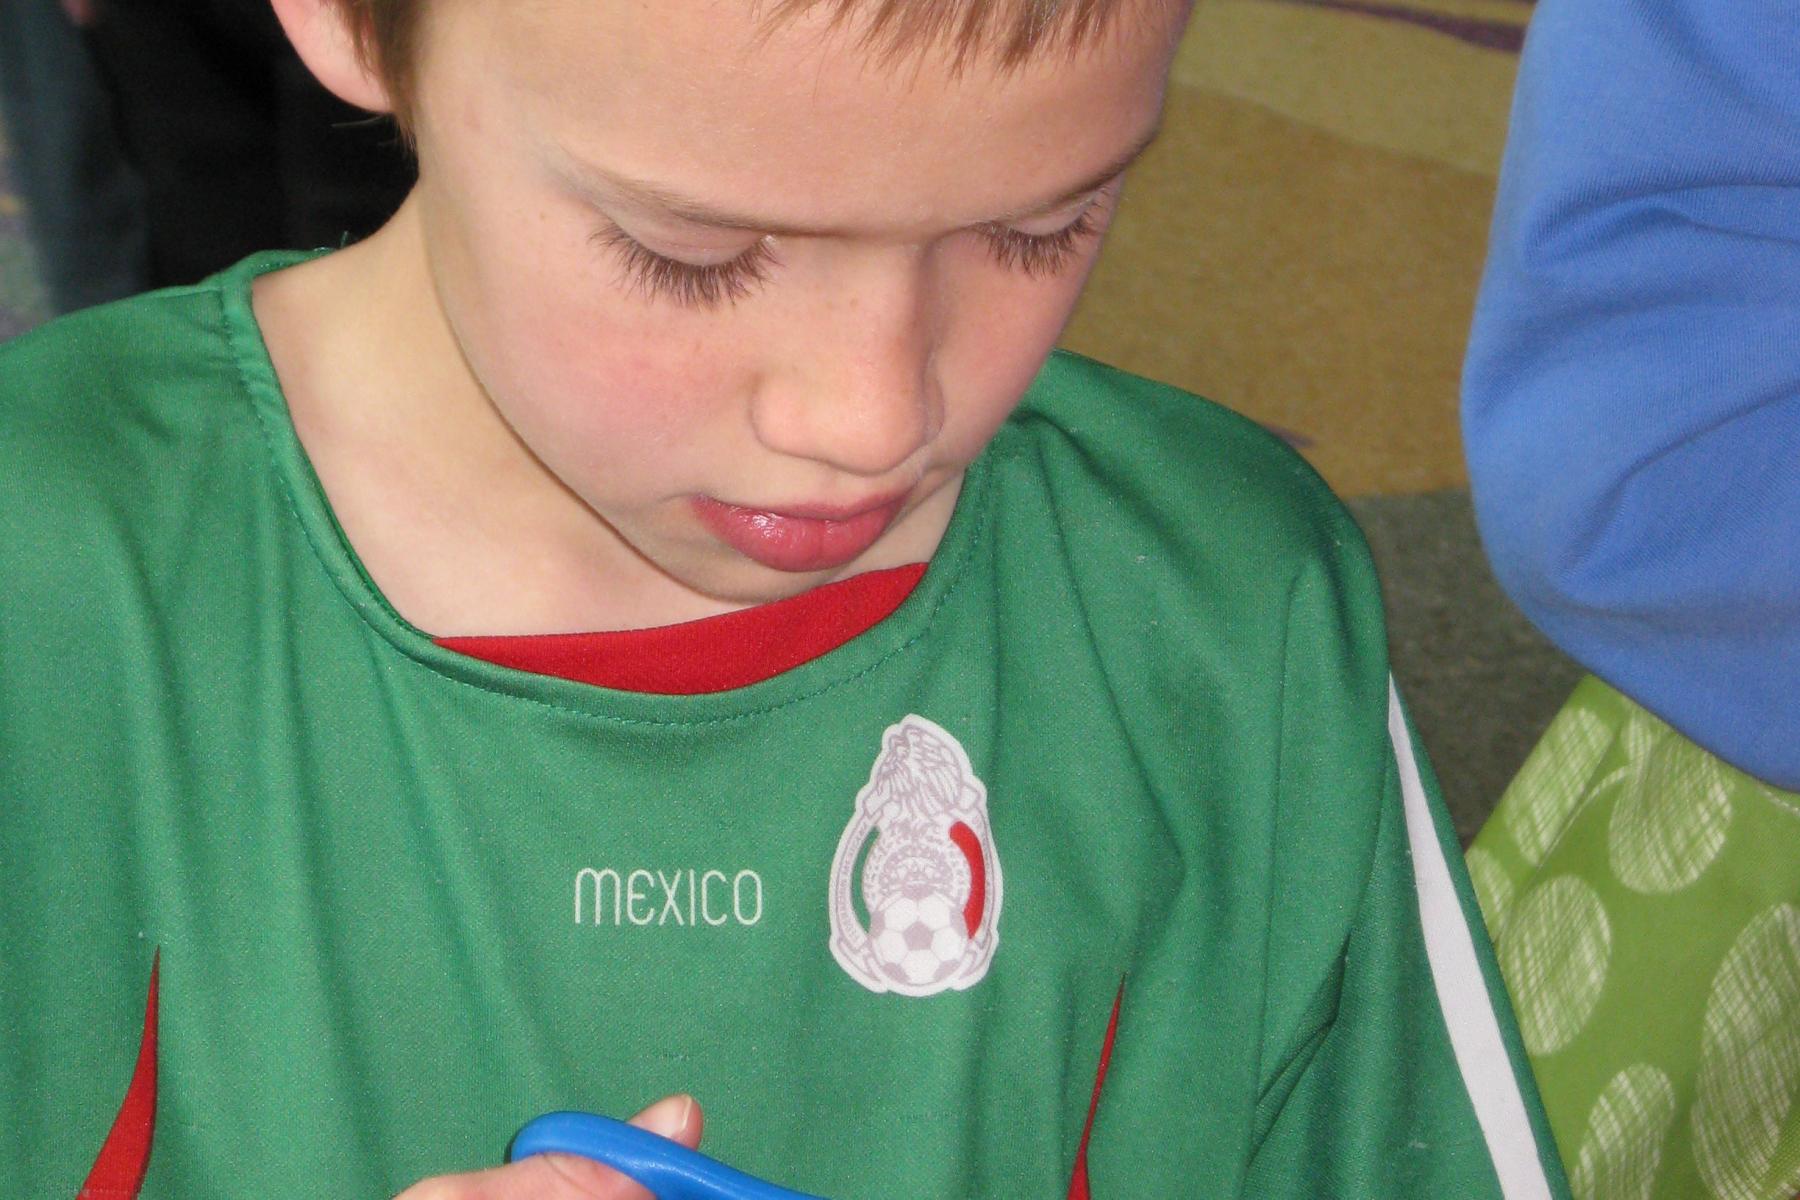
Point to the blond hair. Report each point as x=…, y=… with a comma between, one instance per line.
x=1007, y=32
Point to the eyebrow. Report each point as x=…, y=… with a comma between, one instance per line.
x=698, y=212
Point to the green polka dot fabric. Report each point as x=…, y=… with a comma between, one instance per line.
x=1644, y=899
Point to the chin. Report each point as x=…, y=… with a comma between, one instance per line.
x=757, y=584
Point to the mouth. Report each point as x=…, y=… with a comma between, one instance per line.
x=799, y=539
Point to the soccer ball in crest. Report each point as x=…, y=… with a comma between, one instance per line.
x=918, y=941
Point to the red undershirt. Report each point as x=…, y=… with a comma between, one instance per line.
x=713, y=654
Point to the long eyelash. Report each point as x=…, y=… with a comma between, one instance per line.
x=688, y=284
x=1040, y=254
x=713, y=284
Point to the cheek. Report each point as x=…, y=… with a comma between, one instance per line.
x=601, y=395
x=1006, y=325
x=599, y=385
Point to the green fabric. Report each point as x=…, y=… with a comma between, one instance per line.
x=378, y=872
x=1645, y=900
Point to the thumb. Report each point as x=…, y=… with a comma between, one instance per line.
x=567, y=1176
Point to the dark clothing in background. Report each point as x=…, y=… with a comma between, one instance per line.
x=84, y=204
x=239, y=147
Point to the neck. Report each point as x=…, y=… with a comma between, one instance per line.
x=461, y=527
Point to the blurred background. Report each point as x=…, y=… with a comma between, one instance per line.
x=1303, y=244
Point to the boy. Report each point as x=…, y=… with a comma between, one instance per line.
x=1092, y=855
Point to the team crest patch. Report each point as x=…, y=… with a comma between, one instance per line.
x=930, y=879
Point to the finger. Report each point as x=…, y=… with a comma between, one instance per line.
x=677, y=1118
x=567, y=1176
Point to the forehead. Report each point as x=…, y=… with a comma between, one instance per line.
x=710, y=98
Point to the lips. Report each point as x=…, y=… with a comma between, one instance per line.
x=798, y=540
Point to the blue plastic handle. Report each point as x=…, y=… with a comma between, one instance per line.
x=667, y=1168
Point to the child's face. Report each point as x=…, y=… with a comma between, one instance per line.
x=757, y=410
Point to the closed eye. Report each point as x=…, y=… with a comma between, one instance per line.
x=709, y=285
x=1038, y=254
x=692, y=285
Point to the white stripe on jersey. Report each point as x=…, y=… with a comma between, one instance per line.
x=1462, y=991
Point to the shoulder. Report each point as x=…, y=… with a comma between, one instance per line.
x=115, y=421
x=1181, y=501
x=1223, y=591
x=135, y=361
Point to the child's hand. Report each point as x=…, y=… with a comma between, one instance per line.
x=565, y=1176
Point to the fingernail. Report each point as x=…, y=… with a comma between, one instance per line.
x=667, y=1117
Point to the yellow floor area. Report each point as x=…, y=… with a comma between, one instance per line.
x=1305, y=240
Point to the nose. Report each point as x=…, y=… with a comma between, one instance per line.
x=858, y=391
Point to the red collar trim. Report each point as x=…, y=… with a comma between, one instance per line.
x=713, y=654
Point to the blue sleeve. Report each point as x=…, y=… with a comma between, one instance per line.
x=1632, y=393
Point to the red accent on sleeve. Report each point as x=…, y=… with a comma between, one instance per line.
x=118, y=1173
x=970, y=845
x=713, y=654
x=1078, y=1186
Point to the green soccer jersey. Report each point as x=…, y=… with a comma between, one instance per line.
x=1131, y=739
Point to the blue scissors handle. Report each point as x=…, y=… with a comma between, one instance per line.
x=667, y=1168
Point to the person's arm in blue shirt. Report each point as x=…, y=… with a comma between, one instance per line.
x=1632, y=393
